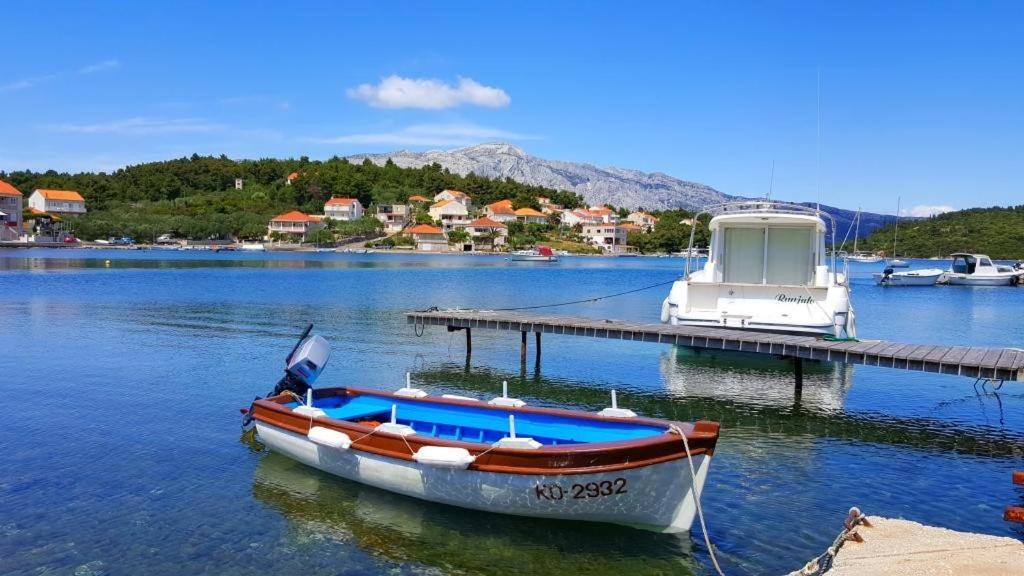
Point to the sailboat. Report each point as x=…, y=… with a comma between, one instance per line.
x=895, y=262
x=858, y=256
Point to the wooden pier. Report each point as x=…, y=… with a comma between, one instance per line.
x=972, y=362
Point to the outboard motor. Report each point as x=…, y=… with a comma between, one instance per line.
x=887, y=274
x=302, y=367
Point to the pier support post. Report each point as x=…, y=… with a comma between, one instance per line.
x=536, y=345
x=798, y=374
x=522, y=348
x=469, y=342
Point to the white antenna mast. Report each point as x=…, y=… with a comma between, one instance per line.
x=771, y=182
x=817, y=164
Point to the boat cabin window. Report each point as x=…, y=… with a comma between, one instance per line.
x=768, y=256
x=963, y=264
x=984, y=262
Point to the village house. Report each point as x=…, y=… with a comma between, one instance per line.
x=531, y=216
x=10, y=212
x=606, y=214
x=608, y=237
x=580, y=217
x=428, y=238
x=454, y=196
x=547, y=207
x=295, y=224
x=450, y=214
x=393, y=216
x=62, y=202
x=345, y=209
x=500, y=211
x=291, y=177
x=643, y=220
x=487, y=233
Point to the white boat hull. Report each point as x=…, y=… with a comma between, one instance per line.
x=976, y=280
x=538, y=258
x=910, y=278
x=659, y=497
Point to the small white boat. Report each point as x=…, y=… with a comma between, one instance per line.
x=325, y=249
x=253, y=247
x=864, y=258
x=924, y=277
x=897, y=263
x=499, y=456
x=978, y=270
x=540, y=254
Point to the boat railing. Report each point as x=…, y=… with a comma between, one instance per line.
x=762, y=207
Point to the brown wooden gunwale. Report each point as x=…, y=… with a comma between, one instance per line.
x=568, y=459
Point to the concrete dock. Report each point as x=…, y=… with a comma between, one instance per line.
x=901, y=547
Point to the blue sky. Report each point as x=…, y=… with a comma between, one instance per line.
x=923, y=100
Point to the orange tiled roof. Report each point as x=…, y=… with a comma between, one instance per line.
x=424, y=229
x=8, y=190
x=65, y=195
x=501, y=207
x=340, y=202
x=629, y=226
x=418, y=198
x=293, y=176
x=530, y=212
x=455, y=193
x=441, y=204
x=295, y=216
x=600, y=210
x=486, y=222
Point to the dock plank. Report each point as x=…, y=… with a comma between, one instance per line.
x=1003, y=363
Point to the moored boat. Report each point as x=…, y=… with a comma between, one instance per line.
x=767, y=270
x=540, y=254
x=979, y=270
x=923, y=277
x=499, y=456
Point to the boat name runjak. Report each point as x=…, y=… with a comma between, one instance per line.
x=794, y=299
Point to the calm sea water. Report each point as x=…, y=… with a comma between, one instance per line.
x=121, y=452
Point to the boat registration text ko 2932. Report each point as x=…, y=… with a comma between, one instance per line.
x=580, y=491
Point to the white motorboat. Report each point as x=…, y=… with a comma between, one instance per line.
x=978, y=270
x=767, y=270
x=897, y=263
x=540, y=254
x=252, y=247
x=924, y=277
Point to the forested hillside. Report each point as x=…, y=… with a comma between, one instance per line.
x=195, y=197
x=997, y=231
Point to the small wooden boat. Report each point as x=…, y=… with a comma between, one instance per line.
x=499, y=456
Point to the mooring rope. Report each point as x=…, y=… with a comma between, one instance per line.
x=581, y=301
x=696, y=498
x=823, y=563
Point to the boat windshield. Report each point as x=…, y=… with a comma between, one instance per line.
x=473, y=424
x=963, y=264
x=776, y=255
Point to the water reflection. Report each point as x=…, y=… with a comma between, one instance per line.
x=319, y=506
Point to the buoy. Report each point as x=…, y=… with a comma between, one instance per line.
x=107, y=263
x=329, y=438
x=504, y=400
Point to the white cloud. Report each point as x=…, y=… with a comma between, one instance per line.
x=139, y=126
x=925, y=210
x=99, y=66
x=429, y=135
x=25, y=83
x=428, y=93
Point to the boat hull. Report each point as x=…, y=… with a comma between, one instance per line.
x=908, y=279
x=533, y=258
x=974, y=280
x=658, y=497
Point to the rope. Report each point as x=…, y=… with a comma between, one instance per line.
x=696, y=498
x=583, y=301
x=823, y=563
x=831, y=338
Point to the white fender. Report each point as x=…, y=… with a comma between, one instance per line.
x=444, y=457
x=329, y=438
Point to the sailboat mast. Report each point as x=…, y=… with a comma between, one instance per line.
x=856, y=230
x=896, y=229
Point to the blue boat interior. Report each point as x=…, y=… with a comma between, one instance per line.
x=473, y=424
